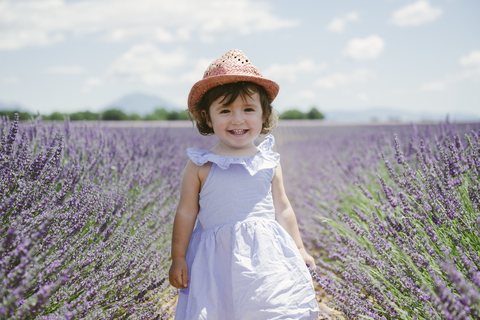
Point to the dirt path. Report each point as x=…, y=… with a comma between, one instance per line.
x=326, y=313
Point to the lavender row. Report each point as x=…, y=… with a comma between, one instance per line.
x=86, y=213
x=392, y=214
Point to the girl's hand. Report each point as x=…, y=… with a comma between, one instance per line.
x=178, y=274
x=309, y=261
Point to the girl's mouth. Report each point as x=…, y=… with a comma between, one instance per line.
x=238, y=131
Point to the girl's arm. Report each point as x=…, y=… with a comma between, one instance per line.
x=286, y=217
x=183, y=224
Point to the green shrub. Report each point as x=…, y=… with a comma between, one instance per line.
x=86, y=115
x=114, y=114
x=315, y=114
x=10, y=115
x=293, y=114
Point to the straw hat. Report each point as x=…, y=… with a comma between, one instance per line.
x=232, y=67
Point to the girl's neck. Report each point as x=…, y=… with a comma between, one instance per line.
x=234, y=152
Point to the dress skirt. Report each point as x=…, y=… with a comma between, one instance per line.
x=246, y=270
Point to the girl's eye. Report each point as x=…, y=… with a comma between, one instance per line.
x=249, y=109
x=225, y=111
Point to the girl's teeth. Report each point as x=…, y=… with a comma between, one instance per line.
x=238, y=131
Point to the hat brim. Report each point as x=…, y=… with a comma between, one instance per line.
x=202, y=86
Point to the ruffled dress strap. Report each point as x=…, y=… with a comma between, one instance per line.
x=264, y=159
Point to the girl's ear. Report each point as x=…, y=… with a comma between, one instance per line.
x=206, y=117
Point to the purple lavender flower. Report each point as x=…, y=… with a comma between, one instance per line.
x=392, y=260
x=398, y=151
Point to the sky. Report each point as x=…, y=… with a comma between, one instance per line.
x=77, y=55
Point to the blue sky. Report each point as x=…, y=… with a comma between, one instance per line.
x=58, y=55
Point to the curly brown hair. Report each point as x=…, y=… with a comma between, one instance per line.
x=230, y=92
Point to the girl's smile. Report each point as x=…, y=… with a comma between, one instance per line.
x=236, y=125
x=238, y=131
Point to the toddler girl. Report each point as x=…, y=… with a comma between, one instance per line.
x=245, y=258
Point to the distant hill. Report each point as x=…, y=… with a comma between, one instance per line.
x=384, y=114
x=141, y=104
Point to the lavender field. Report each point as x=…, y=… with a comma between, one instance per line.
x=391, y=214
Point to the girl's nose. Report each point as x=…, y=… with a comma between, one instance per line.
x=237, y=118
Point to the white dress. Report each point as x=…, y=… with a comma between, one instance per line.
x=242, y=264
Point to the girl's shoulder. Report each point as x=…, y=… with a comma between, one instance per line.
x=265, y=158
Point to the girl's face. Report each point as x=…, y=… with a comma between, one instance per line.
x=237, y=125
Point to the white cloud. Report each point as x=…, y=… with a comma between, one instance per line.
x=305, y=95
x=90, y=83
x=365, y=49
x=417, y=13
x=343, y=79
x=71, y=70
x=12, y=40
x=290, y=71
x=44, y=22
x=471, y=65
x=472, y=60
x=362, y=96
x=146, y=64
x=433, y=86
x=398, y=92
x=142, y=33
x=469, y=72
x=352, y=16
x=338, y=24
x=10, y=80
x=197, y=72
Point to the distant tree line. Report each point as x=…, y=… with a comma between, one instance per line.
x=110, y=114
x=158, y=114
x=299, y=115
